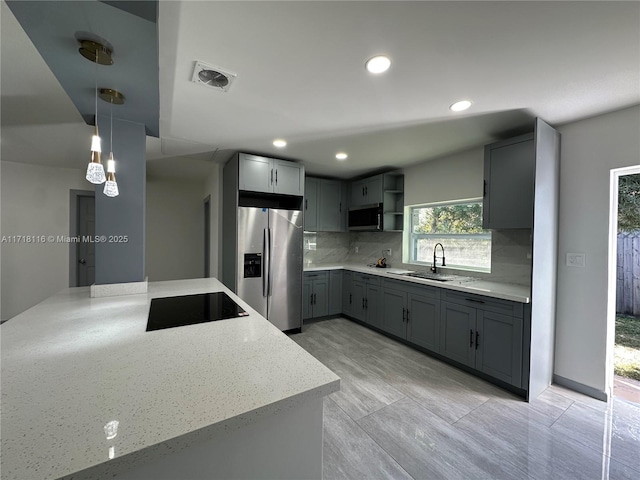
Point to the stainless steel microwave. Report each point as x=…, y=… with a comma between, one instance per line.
x=366, y=217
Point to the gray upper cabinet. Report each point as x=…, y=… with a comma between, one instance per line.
x=288, y=178
x=270, y=175
x=366, y=191
x=311, y=204
x=332, y=207
x=325, y=205
x=255, y=173
x=509, y=172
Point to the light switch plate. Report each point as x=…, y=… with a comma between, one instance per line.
x=575, y=260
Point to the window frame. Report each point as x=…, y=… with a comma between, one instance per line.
x=414, y=237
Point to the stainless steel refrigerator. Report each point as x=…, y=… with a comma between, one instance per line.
x=269, y=263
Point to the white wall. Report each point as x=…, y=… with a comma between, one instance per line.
x=174, y=229
x=35, y=201
x=213, y=187
x=590, y=149
x=453, y=177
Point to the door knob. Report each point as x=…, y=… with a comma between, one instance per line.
x=82, y=261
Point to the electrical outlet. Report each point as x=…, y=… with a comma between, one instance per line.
x=386, y=252
x=356, y=249
x=575, y=260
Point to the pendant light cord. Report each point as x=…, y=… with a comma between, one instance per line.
x=95, y=77
x=111, y=128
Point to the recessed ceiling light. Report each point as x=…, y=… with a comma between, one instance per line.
x=341, y=156
x=378, y=64
x=460, y=106
x=278, y=142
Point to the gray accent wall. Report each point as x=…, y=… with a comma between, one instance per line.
x=124, y=215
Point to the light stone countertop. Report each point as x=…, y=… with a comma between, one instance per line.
x=72, y=364
x=515, y=293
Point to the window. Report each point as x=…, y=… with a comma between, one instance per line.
x=458, y=226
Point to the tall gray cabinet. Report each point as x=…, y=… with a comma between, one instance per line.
x=521, y=191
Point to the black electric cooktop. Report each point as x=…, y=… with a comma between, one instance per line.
x=172, y=312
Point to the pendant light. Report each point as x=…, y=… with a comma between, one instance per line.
x=111, y=186
x=95, y=170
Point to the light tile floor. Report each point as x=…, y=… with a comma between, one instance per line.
x=401, y=414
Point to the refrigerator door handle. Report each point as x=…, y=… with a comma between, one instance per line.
x=265, y=262
x=269, y=281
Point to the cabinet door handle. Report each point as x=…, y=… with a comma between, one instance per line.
x=340, y=208
x=484, y=189
x=363, y=303
x=366, y=190
x=350, y=298
x=470, y=338
x=276, y=177
x=407, y=315
x=477, y=339
x=311, y=299
x=363, y=191
x=272, y=176
x=366, y=304
x=404, y=312
x=306, y=204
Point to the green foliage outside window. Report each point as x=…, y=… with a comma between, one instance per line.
x=458, y=226
x=629, y=203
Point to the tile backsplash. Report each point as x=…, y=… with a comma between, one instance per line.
x=510, y=252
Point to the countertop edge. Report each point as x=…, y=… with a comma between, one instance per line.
x=479, y=287
x=173, y=445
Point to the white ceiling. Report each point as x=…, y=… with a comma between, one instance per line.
x=300, y=76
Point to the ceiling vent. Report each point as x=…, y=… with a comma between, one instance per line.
x=212, y=76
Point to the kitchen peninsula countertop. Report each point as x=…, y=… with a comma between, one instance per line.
x=72, y=364
x=505, y=291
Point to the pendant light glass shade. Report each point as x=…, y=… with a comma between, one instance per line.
x=111, y=186
x=95, y=170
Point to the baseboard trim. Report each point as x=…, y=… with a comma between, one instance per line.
x=581, y=388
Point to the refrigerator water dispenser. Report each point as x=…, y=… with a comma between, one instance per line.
x=252, y=265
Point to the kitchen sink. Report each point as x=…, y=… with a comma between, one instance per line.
x=431, y=276
x=438, y=277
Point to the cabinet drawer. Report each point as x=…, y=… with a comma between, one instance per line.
x=323, y=275
x=412, y=288
x=480, y=302
x=369, y=279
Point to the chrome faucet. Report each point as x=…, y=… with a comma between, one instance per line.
x=433, y=267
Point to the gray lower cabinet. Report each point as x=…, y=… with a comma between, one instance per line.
x=315, y=295
x=483, y=333
x=347, y=294
x=366, y=294
x=335, y=292
x=412, y=313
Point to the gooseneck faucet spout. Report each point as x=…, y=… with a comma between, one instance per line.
x=433, y=267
